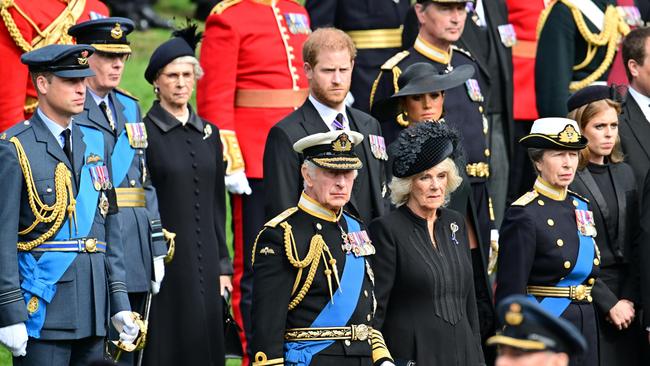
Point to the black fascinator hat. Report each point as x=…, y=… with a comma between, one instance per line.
x=183, y=43
x=424, y=146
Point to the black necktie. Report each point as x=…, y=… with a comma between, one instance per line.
x=338, y=122
x=108, y=114
x=67, y=144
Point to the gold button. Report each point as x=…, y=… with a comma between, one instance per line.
x=575, y=203
x=365, y=293
x=589, y=298
x=560, y=242
x=32, y=305
x=550, y=222
x=487, y=152
x=132, y=182
x=540, y=202
x=480, y=108
x=596, y=261
x=369, y=317
x=91, y=245
x=591, y=281
x=319, y=226
x=347, y=342
x=567, y=264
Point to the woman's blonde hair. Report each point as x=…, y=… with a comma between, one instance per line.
x=400, y=188
x=583, y=115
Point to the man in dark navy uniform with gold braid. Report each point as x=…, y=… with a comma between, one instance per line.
x=59, y=213
x=375, y=27
x=313, y=299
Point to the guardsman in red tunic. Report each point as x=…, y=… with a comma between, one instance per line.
x=253, y=78
x=28, y=25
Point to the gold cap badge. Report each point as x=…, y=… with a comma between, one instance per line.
x=342, y=143
x=569, y=134
x=116, y=32
x=83, y=60
x=514, y=315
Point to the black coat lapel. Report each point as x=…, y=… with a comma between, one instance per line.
x=94, y=115
x=120, y=119
x=638, y=124
x=311, y=120
x=78, y=149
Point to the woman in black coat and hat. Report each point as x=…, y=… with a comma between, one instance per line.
x=420, y=99
x=186, y=167
x=426, y=307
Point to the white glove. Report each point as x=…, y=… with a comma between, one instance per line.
x=158, y=273
x=387, y=363
x=237, y=183
x=14, y=337
x=494, y=251
x=123, y=323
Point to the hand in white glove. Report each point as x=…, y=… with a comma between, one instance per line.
x=123, y=323
x=237, y=183
x=387, y=363
x=14, y=337
x=158, y=273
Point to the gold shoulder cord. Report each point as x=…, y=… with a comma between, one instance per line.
x=613, y=29
x=317, y=249
x=42, y=212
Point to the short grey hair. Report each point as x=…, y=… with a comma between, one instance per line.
x=198, y=70
x=400, y=188
x=311, y=170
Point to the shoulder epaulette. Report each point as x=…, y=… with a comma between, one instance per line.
x=126, y=93
x=462, y=51
x=393, y=61
x=281, y=217
x=222, y=6
x=17, y=129
x=578, y=195
x=527, y=198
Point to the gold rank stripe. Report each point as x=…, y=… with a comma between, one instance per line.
x=130, y=197
x=377, y=38
x=112, y=48
x=514, y=342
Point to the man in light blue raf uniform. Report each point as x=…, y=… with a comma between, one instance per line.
x=61, y=267
x=118, y=116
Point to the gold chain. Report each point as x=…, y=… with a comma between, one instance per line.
x=44, y=213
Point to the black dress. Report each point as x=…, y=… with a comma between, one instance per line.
x=426, y=307
x=185, y=163
x=612, y=193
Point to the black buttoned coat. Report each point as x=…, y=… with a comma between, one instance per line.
x=186, y=166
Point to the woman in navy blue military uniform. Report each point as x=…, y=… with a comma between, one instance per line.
x=425, y=286
x=547, y=246
x=610, y=186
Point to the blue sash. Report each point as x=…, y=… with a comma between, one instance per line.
x=123, y=152
x=337, y=312
x=40, y=277
x=579, y=273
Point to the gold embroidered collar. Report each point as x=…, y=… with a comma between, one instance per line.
x=546, y=189
x=310, y=206
x=432, y=52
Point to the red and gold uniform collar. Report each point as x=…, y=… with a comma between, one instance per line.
x=310, y=206
x=432, y=52
x=546, y=189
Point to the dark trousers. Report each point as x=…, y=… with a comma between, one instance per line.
x=81, y=352
x=522, y=172
x=248, y=219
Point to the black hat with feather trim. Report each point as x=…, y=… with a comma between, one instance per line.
x=183, y=43
x=424, y=146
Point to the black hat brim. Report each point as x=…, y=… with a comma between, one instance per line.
x=425, y=84
x=540, y=141
x=78, y=73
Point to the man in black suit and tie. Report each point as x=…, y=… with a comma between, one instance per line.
x=329, y=58
x=635, y=116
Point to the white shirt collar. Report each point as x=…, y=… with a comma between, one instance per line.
x=99, y=99
x=54, y=127
x=642, y=100
x=328, y=114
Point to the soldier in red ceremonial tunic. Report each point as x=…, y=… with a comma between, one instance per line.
x=28, y=25
x=253, y=78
